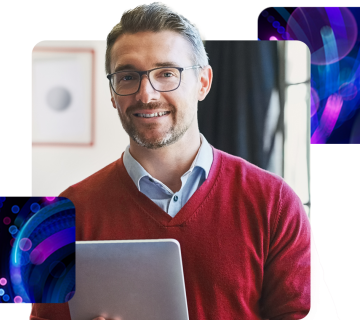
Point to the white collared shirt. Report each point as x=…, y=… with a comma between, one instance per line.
x=191, y=180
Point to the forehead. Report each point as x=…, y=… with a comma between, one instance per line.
x=145, y=50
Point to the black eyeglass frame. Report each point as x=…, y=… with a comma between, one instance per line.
x=147, y=72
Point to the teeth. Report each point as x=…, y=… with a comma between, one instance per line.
x=146, y=115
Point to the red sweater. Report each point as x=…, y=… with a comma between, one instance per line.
x=244, y=238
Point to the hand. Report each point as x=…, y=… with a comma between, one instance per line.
x=99, y=318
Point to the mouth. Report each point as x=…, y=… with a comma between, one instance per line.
x=152, y=115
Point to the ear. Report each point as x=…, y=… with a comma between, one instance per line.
x=112, y=97
x=206, y=76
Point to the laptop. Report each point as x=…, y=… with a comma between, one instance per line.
x=129, y=280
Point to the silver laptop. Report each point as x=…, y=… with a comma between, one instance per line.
x=129, y=280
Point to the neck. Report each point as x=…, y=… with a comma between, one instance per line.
x=169, y=163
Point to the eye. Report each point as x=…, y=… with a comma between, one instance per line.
x=127, y=78
x=168, y=74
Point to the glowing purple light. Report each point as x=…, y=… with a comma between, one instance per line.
x=307, y=25
x=7, y=220
x=272, y=38
x=51, y=244
x=286, y=35
x=12, y=241
x=3, y=281
x=330, y=114
x=69, y=296
x=50, y=198
x=18, y=299
x=328, y=119
x=25, y=244
x=37, y=257
x=314, y=101
x=16, y=278
x=348, y=91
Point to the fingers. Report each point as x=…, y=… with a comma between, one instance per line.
x=99, y=318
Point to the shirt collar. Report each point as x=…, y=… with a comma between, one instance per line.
x=203, y=159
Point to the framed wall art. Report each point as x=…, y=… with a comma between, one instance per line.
x=63, y=96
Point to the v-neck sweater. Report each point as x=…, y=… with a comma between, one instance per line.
x=169, y=201
x=244, y=238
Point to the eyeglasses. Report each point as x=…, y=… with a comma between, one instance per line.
x=164, y=79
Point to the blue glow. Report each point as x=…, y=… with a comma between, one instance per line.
x=2, y=199
x=2, y=291
x=35, y=207
x=265, y=13
x=271, y=19
x=13, y=229
x=6, y=297
x=35, y=220
x=17, y=259
x=276, y=24
x=15, y=209
x=281, y=30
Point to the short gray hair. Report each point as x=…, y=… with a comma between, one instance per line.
x=156, y=17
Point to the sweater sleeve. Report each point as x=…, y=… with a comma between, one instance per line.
x=286, y=283
x=50, y=311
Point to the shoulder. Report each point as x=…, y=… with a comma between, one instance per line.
x=96, y=183
x=256, y=186
x=263, y=192
x=240, y=170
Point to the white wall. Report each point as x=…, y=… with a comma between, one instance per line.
x=56, y=168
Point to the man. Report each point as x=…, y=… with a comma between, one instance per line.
x=244, y=236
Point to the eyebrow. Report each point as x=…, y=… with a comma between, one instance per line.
x=122, y=67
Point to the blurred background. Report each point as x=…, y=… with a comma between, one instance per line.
x=258, y=108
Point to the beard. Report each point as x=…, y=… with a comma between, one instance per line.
x=167, y=137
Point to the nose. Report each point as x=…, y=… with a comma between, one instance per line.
x=146, y=92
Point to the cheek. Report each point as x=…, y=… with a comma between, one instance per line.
x=120, y=106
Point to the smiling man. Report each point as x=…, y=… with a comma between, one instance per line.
x=244, y=236
x=158, y=106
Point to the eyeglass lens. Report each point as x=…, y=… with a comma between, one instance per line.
x=163, y=79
